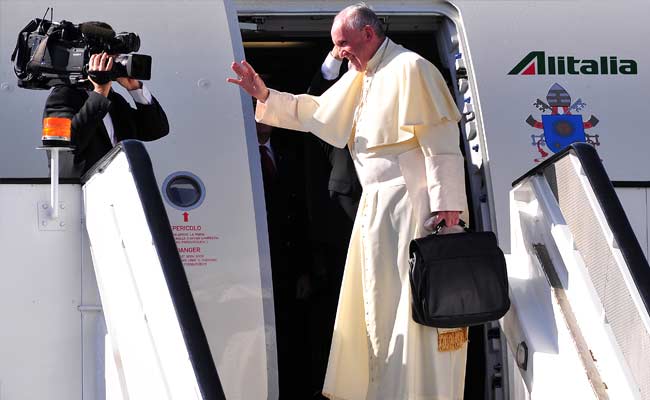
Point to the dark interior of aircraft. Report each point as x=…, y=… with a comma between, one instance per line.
x=293, y=61
x=288, y=51
x=291, y=57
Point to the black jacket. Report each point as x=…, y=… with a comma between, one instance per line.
x=333, y=167
x=286, y=216
x=88, y=109
x=333, y=193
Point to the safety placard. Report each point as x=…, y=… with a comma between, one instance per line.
x=195, y=246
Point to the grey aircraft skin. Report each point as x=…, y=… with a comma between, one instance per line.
x=529, y=78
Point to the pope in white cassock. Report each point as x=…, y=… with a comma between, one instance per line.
x=396, y=115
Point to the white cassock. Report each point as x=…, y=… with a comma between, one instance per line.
x=400, y=124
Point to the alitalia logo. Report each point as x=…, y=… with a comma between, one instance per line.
x=538, y=63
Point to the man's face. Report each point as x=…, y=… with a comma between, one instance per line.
x=353, y=45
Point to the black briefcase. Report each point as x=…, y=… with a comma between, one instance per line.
x=457, y=279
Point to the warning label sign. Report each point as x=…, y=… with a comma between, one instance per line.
x=195, y=246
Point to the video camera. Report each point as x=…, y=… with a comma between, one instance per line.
x=57, y=53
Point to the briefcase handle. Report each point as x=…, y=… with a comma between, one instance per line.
x=442, y=224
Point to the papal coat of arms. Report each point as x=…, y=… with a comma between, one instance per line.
x=561, y=127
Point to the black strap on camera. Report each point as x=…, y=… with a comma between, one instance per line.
x=20, y=53
x=20, y=67
x=100, y=77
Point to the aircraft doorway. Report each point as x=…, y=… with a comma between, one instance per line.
x=287, y=51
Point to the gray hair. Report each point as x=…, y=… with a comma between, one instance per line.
x=359, y=15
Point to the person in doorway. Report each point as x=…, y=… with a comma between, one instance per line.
x=399, y=120
x=333, y=193
x=100, y=116
x=343, y=184
x=282, y=166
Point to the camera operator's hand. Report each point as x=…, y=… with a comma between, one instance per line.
x=100, y=63
x=129, y=83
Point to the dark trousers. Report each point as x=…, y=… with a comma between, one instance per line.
x=323, y=305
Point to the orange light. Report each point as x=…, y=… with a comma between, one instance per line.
x=55, y=128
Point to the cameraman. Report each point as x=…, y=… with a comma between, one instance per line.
x=101, y=117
